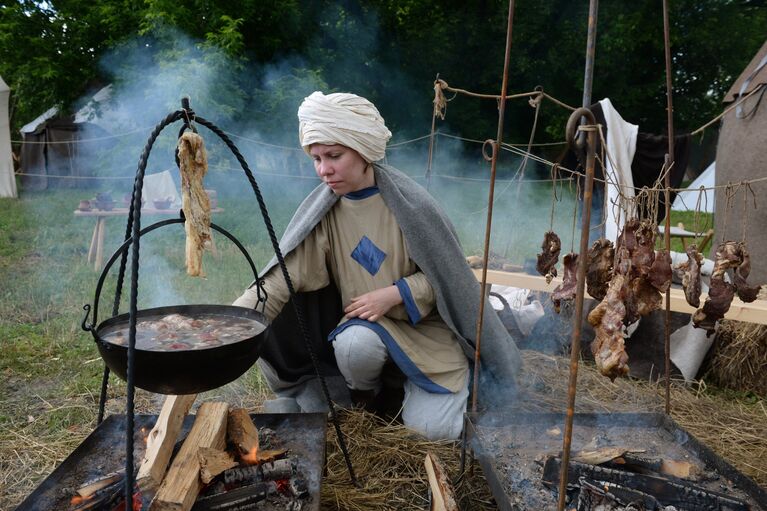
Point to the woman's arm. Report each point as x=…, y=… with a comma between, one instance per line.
x=414, y=291
x=307, y=267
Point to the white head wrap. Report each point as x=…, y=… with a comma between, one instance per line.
x=345, y=119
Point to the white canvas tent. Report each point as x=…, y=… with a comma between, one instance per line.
x=7, y=179
x=688, y=199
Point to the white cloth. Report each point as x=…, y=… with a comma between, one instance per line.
x=345, y=119
x=7, y=178
x=525, y=314
x=160, y=186
x=689, y=346
x=621, y=146
x=687, y=200
x=361, y=355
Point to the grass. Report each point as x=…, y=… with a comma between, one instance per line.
x=50, y=370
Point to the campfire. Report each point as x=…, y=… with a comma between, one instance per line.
x=620, y=462
x=217, y=459
x=224, y=463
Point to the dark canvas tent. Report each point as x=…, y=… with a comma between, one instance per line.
x=741, y=156
x=50, y=155
x=52, y=148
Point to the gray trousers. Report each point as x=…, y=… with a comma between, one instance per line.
x=361, y=355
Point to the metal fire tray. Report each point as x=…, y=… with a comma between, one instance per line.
x=511, y=450
x=103, y=451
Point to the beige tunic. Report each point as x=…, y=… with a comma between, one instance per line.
x=359, y=245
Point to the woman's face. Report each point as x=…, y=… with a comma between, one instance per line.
x=341, y=168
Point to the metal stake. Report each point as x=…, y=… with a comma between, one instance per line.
x=496, y=145
x=667, y=196
x=575, y=344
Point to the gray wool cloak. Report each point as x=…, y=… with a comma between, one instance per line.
x=434, y=247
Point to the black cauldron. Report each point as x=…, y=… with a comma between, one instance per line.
x=182, y=371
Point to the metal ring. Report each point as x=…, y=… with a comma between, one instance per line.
x=493, y=149
x=573, y=123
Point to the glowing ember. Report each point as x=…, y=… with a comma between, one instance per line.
x=252, y=457
x=77, y=500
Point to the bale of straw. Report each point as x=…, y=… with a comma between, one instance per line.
x=739, y=357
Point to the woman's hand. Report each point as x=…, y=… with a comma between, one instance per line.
x=373, y=305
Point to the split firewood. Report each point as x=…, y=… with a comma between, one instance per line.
x=162, y=439
x=603, y=455
x=213, y=462
x=94, y=485
x=182, y=484
x=681, y=469
x=267, y=455
x=243, y=435
x=442, y=495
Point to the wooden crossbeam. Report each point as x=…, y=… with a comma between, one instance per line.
x=754, y=312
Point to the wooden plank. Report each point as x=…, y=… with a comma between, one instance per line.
x=442, y=497
x=162, y=439
x=754, y=312
x=181, y=485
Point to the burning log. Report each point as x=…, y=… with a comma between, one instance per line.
x=99, y=483
x=105, y=497
x=277, y=469
x=213, y=462
x=162, y=438
x=668, y=492
x=270, y=471
x=246, y=497
x=243, y=435
x=181, y=485
x=443, y=498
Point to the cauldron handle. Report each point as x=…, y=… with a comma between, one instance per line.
x=91, y=327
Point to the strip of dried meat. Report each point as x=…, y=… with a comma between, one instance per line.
x=691, y=276
x=720, y=293
x=745, y=292
x=547, y=259
x=600, y=268
x=567, y=289
x=643, y=254
x=660, y=271
x=608, y=346
x=193, y=165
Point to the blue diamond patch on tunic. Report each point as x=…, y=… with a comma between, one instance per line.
x=368, y=255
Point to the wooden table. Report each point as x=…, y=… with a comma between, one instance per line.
x=96, y=248
x=680, y=232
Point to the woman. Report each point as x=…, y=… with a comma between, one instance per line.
x=407, y=294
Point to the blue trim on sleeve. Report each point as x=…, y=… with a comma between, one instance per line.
x=368, y=255
x=407, y=298
x=362, y=194
x=395, y=352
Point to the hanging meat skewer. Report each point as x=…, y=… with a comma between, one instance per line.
x=569, y=286
x=600, y=268
x=547, y=259
x=730, y=255
x=691, y=276
x=193, y=165
x=607, y=318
